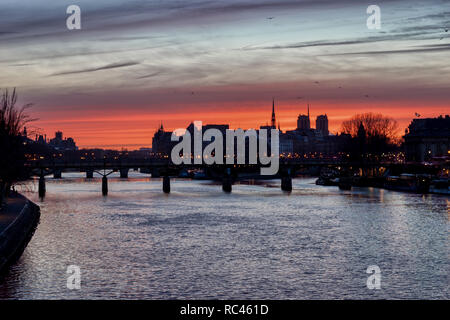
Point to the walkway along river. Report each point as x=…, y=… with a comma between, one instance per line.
x=18, y=221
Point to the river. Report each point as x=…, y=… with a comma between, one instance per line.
x=255, y=243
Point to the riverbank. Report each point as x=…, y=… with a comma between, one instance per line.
x=414, y=183
x=18, y=221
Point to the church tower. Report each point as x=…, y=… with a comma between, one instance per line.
x=303, y=122
x=274, y=122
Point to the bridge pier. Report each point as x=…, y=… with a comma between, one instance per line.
x=89, y=174
x=105, y=186
x=286, y=183
x=227, y=182
x=166, y=184
x=57, y=174
x=227, y=185
x=41, y=186
x=124, y=173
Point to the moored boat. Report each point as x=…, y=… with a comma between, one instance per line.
x=440, y=186
x=327, y=181
x=408, y=182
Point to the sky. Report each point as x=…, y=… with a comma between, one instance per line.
x=136, y=63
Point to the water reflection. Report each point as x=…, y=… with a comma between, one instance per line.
x=257, y=242
x=448, y=209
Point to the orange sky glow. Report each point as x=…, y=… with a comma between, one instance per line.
x=132, y=131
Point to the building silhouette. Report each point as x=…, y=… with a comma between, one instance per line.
x=310, y=142
x=59, y=143
x=304, y=140
x=41, y=139
x=427, y=138
x=322, y=124
x=303, y=122
x=161, y=142
x=273, y=120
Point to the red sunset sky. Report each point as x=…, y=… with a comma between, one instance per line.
x=134, y=64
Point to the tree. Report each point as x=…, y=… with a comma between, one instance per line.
x=372, y=135
x=375, y=126
x=12, y=148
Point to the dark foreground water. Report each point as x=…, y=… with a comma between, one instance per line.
x=256, y=243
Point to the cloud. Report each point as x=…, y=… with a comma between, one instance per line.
x=423, y=49
x=151, y=75
x=443, y=45
x=106, y=16
x=438, y=15
x=2, y=33
x=128, y=38
x=321, y=43
x=21, y=65
x=106, y=67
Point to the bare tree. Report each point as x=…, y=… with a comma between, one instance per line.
x=376, y=126
x=372, y=136
x=12, y=149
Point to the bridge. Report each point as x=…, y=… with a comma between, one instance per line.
x=163, y=167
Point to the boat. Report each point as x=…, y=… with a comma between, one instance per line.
x=183, y=174
x=408, y=182
x=440, y=186
x=200, y=175
x=327, y=181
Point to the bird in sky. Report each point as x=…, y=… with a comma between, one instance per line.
x=270, y=18
x=417, y=115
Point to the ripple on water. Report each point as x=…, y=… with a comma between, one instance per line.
x=255, y=243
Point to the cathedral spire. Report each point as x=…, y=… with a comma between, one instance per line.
x=274, y=125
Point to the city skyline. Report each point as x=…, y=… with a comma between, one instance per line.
x=321, y=124
x=318, y=122
x=135, y=63
x=321, y=127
